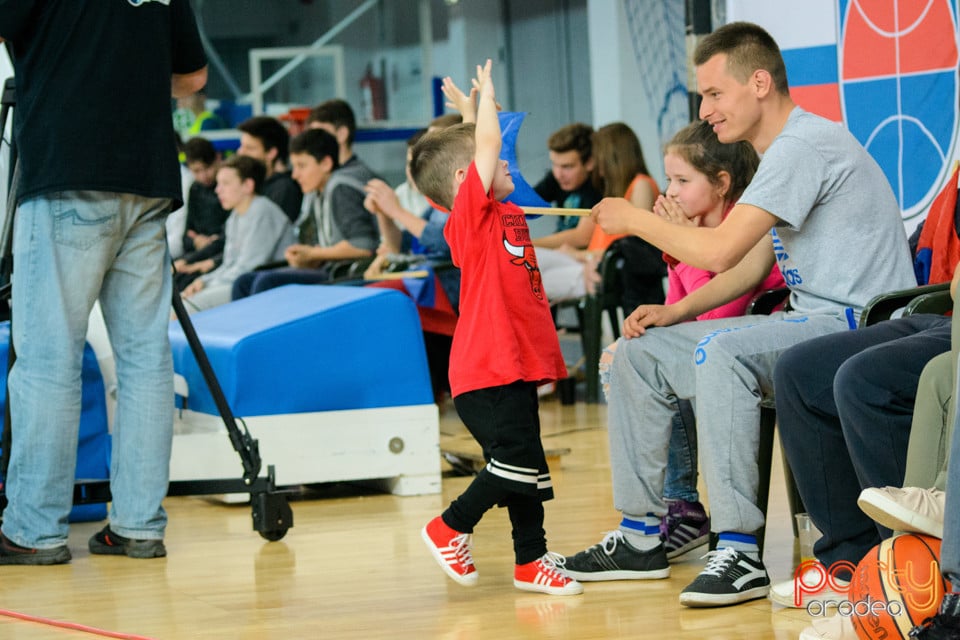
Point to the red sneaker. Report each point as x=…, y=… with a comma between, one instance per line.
x=451, y=549
x=544, y=576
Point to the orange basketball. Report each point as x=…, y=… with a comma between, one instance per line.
x=895, y=587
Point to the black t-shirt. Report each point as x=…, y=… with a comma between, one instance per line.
x=204, y=214
x=93, y=92
x=585, y=197
x=285, y=192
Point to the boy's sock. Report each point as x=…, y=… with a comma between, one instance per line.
x=742, y=542
x=642, y=532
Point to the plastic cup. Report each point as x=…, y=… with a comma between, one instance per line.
x=807, y=534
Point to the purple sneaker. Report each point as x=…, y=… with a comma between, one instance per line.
x=686, y=526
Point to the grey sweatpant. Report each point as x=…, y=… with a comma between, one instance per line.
x=726, y=365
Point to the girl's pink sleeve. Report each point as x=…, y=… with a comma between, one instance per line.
x=675, y=289
x=687, y=280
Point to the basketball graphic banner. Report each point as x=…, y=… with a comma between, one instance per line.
x=888, y=72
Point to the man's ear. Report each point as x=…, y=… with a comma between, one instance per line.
x=762, y=82
x=589, y=164
x=272, y=154
x=327, y=164
x=342, y=134
x=460, y=175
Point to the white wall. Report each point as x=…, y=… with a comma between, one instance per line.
x=631, y=73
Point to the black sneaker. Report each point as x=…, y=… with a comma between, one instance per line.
x=615, y=559
x=106, y=542
x=943, y=626
x=686, y=526
x=12, y=553
x=729, y=577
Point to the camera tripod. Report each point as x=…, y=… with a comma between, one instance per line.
x=272, y=516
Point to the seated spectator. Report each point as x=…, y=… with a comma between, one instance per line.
x=815, y=190
x=336, y=118
x=411, y=227
x=344, y=233
x=202, y=238
x=920, y=506
x=267, y=140
x=403, y=232
x=203, y=118
x=176, y=221
x=619, y=172
x=567, y=185
x=845, y=406
x=256, y=232
x=704, y=180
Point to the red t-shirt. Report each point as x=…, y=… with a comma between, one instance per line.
x=505, y=332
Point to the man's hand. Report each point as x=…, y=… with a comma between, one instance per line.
x=649, y=315
x=613, y=215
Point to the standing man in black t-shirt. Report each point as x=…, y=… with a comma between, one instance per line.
x=99, y=173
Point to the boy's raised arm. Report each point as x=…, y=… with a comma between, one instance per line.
x=488, y=141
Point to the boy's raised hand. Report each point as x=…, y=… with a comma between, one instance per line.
x=466, y=105
x=484, y=82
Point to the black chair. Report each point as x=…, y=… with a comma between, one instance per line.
x=608, y=298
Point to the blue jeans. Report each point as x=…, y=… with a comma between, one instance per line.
x=70, y=249
x=680, y=480
x=248, y=284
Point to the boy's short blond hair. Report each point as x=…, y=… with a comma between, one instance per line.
x=437, y=157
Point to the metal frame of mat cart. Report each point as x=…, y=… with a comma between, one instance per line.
x=271, y=512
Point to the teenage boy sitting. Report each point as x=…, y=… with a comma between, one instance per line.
x=341, y=234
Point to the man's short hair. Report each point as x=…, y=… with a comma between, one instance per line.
x=336, y=112
x=318, y=143
x=199, y=150
x=436, y=158
x=573, y=137
x=748, y=47
x=270, y=132
x=248, y=169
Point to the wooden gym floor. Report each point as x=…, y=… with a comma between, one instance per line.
x=353, y=566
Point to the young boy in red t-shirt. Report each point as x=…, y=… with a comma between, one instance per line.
x=503, y=347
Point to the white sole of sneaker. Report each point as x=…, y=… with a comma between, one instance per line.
x=468, y=580
x=722, y=599
x=572, y=589
x=891, y=515
x=604, y=576
x=828, y=600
